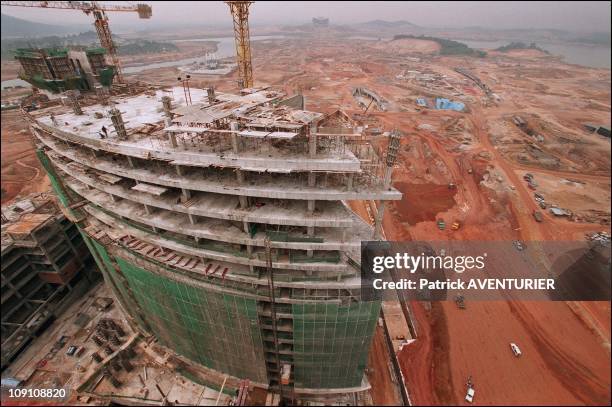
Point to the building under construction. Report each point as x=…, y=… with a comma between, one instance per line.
x=45, y=267
x=220, y=222
x=60, y=69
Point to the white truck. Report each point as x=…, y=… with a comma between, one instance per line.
x=469, y=397
x=515, y=349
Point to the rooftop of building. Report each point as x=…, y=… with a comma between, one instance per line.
x=262, y=119
x=25, y=215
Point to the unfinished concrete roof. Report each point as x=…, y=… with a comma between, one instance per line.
x=28, y=223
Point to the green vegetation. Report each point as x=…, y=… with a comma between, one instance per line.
x=146, y=47
x=85, y=40
x=520, y=45
x=10, y=46
x=447, y=47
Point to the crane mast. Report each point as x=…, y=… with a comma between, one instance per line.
x=106, y=41
x=240, y=15
x=100, y=20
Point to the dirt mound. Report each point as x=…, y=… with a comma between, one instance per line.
x=423, y=202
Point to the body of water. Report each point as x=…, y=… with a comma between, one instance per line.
x=225, y=49
x=586, y=55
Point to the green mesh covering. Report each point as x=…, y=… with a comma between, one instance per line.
x=327, y=343
x=56, y=184
x=106, y=75
x=280, y=236
x=95, y=51
x=220, y=331
x=331, y=343
x=57, y=52
x=56, y=85
x=27, y=53
x=325, y=257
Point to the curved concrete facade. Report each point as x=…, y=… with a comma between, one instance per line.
x=188, y=211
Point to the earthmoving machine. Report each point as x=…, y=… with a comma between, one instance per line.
x=456, y=225
x=460, y=301
x=240, y=15
x=98, y=10
x=537, y=215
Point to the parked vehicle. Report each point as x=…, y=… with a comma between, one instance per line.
x=515, y=349
x=537, y=215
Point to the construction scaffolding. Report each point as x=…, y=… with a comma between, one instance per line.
x=45, y=266
x=221, y=227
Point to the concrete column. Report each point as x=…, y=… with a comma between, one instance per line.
x=240, y=176
x=310, y=232
x=172, y=139
x=234, y=135
x=179, y=171
x=130, y=161
x=311, y=206
x=113, y=197
x=312, y=141
x=350, y=180
x=185, y=195
x=147, y=209
x=378, y=220
x=387, y=182
x=244, y=203
x=192, y=219
x=312, y=179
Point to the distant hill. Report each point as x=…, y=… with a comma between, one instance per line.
x=13, y=27
x=388, y=24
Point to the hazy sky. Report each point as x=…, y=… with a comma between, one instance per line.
x=572, y=16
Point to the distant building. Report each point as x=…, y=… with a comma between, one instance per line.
x=320, y=21
x=56, y=70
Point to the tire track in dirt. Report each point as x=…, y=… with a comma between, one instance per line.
x=36, y=170
x=575, y=376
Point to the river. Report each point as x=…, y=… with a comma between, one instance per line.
x=225, y=49
x=586, y=55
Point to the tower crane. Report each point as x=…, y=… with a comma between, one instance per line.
x=98, y=10
x=240, y=15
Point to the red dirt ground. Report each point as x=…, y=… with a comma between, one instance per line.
x=21, y=171
x=422, y=202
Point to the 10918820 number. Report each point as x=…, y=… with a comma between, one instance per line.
x=37, y=393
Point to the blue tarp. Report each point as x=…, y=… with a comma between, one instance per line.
x=445, y=104
x=421, y=102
